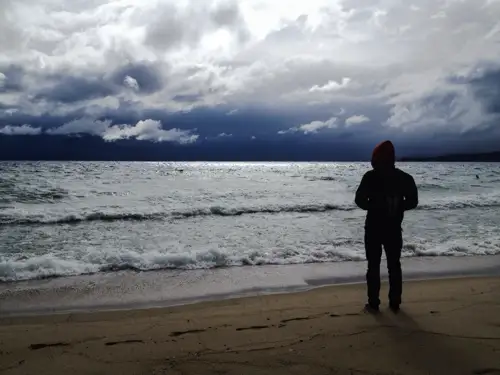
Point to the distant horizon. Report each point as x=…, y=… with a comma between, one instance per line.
x=410, y=159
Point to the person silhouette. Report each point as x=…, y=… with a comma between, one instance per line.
x=385, y=192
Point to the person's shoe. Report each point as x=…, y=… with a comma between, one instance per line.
x=372, y=309
x=394, y=307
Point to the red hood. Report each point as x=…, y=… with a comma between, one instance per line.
x=383, y=155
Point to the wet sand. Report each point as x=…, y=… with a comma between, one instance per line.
x=447, y=326
x=129, y=290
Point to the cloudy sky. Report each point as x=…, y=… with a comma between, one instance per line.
x=425, y=73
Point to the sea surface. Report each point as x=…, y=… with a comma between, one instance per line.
x=80, y=218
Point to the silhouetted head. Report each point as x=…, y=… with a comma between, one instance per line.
x=384, y=156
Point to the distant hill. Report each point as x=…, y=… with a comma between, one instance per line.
x=486, y=157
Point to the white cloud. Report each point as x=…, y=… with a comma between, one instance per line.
x=131, y=83
x=312, y=127
x=356, y=119
x=3, y=78
x=149, y=130
x=146, y=130
x=20, y=130
x=82, y=126
x=224, y=135
x=331, y=86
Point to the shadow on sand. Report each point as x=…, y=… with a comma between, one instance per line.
x=418, y=347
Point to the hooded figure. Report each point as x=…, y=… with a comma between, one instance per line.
x=384, y=155
x=385, y=192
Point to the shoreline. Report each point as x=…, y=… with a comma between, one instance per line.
x=127, y=290
x=228, y=298
x=322, y=331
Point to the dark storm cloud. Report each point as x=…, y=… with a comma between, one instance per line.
x=149, y=77
x=210, y=122
x=65, y=88
x=43, y=120
x=11, y=79
x=345, y=144
x=487, y=89
x=5, y=106
x=342, y=75
x=187, y=98
x=70, y=89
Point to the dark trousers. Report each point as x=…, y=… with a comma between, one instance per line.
x=392, y=242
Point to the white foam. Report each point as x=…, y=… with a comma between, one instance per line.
x=68, y=264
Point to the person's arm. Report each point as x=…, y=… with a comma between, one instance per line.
x=411, y=194
x=362, y=198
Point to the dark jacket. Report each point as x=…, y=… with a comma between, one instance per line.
x=386, y=194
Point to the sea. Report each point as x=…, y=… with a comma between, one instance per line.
x=88, y=221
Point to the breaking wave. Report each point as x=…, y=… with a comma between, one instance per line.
x=173, y=215
x=98, y=261
x=447, y=204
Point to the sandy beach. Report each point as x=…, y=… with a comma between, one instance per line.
x=447, y=326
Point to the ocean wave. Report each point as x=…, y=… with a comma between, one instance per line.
x=272, y=209
x=431, y=186
x=77, y=218
x=61, y=265
x=174, y=215
x=324, y=178
x=476, y=201
x=11, y=192
x=50, y=265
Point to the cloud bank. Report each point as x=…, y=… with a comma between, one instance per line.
x=20, y=130
x=120, y=70
x=147, y=130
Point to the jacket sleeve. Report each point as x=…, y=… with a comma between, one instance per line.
x=362, y=198
x=411, y=194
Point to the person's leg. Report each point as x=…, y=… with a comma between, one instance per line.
x=373, y=250
x=393, y=244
